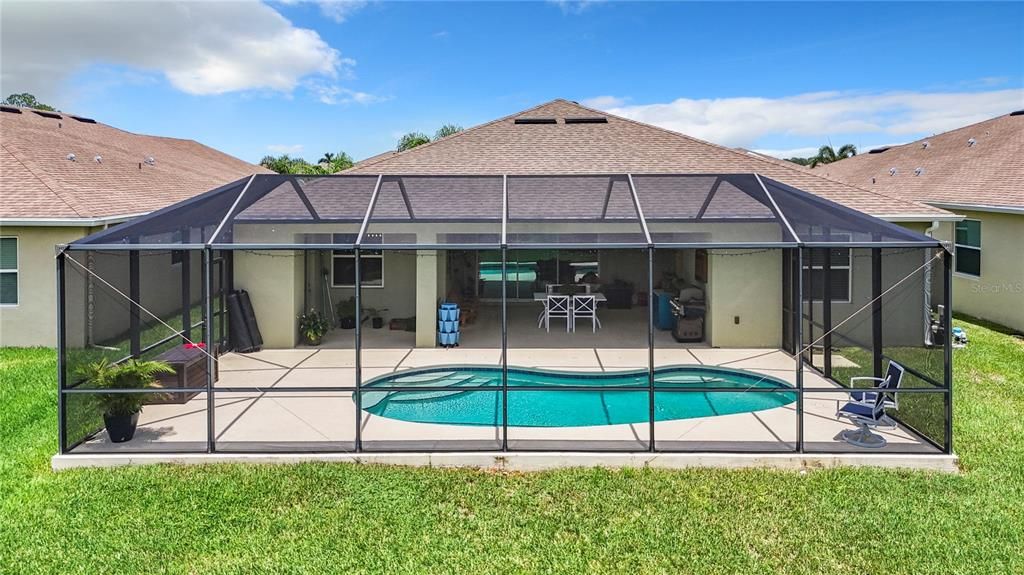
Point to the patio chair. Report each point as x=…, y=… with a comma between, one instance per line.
x=557, y=307
x=890, y=383
x=585, y=306
x=866, y=416
x=867, y=408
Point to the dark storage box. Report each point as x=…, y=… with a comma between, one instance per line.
x=189, y=371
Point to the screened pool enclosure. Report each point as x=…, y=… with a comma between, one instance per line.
x=703, y=312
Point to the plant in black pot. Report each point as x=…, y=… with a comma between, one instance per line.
x=121, y=410
x=347, y=313
x=376, y=319
x=312, y=327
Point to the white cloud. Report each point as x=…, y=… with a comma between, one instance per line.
x=743, y=121
x=200, y=47
x=334, y=94
x=604, y=102
x=574, y=6
x=340, y=10
x=285, y=148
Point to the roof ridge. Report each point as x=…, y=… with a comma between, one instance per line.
x=51, y=183
x=951, y=130
x=780, y=163
x=453, y=136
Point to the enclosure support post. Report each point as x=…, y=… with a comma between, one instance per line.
x=876, y=310
x=134, y=293
x=504, y=348
x=61, y=358
x=359, y=350
x=210, y=351
x=799, y=336
x=650, y=345
x=186, y=295
x=810, y=308
x=826, y=311
x=947, y=342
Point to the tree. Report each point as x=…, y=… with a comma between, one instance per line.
x=26, y=100
x=800, y=161
x=334, y=163
x=447, y=130
x=284, y=164
x=827, y=155
x=411, y=140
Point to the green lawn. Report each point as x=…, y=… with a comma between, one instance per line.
x=316, y=518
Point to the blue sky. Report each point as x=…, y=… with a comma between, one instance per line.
x=307, y=77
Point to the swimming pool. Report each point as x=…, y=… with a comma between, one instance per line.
x=471, y=395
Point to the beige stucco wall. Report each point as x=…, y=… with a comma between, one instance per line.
x=998, y=295
x=34, y=320
x=750, y=287
x=275, y=281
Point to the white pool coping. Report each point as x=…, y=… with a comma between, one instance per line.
x=533, y=461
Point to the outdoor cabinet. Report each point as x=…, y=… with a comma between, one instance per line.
x=189, y=365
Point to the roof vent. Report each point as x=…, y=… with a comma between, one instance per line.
x=872, y=179
x=971, y=142
x=536, y=121
x=1017, y=113
x=98, y=159
x=926, y=144
x=892, y=171
x=10, y=109
x=878, y=150
x=587, y=120
x=45, y=114
x=71, y=157
x=918, y=171
x=149, y=161
x=84, y=120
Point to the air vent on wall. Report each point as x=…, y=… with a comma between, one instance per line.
x=536, y=121
x=44, y=114
x=588, y=120
x=10, y=109
x=84, y=120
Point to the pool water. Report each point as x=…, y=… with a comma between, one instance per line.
x=468, y=395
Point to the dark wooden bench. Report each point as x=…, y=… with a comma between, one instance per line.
x=189, y=371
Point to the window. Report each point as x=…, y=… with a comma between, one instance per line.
x=968, y=247
x=343, y=268
x=8, y=271
x=814, y=275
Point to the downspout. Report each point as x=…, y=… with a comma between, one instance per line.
x=930, y=232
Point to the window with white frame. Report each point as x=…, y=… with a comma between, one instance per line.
x=968, y=248
x=343, y=263
x=8, y=271
x=840, y=260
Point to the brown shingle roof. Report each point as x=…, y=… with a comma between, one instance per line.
x=989, y=173
x=38, y=181
x=619, y=146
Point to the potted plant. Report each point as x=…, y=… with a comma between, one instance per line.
x=375, y=317
x=347, y=313
x=312, y=327
x=121, y=410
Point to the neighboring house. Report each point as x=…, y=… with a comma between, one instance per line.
x=63, y=177
x=977, y=171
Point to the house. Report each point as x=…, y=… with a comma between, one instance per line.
x=976, y=171
x=63, y=177
x=559, y=279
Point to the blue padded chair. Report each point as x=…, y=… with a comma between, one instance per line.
x=867, y=408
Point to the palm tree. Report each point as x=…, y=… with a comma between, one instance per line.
x=447, y=130
x=827, y=155
x=411, y=140
x=334, y=163
x=328, y=158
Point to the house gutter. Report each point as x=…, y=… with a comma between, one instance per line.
x=896, y=218
x=1016, y=210
x=68, y=222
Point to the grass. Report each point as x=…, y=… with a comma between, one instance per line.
x=313, y=518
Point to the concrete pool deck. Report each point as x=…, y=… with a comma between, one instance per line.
x=273, y=424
